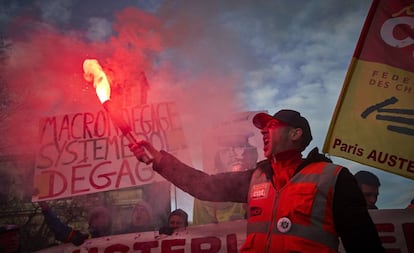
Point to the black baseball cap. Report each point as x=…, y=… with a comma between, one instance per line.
x=290, y=117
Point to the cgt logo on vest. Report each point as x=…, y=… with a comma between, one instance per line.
x=259, y=191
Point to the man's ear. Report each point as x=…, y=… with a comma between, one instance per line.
x=296, y=134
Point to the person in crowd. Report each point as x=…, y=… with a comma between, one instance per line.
x=294, y=204
x=141, y=218
x=369, y=184
x=177, y=221
x=100, y=224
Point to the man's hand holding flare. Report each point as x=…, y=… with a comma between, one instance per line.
x=141, y=148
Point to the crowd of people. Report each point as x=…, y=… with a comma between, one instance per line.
x=291, y=203
x=101, y=219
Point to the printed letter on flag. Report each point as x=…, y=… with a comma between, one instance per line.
x=373, y=122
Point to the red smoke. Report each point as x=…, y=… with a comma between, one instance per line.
x=181, y=59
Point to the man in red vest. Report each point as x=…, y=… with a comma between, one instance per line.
x=294, y=204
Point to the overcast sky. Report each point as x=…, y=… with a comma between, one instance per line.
x=211, y=57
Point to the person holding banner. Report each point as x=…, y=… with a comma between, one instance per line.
x=177, y=221
x=294, y=204
x=100, y=224
x=141, y=219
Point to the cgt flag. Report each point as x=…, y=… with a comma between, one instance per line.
x=373, y=122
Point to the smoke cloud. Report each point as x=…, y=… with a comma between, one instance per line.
x=189, y=60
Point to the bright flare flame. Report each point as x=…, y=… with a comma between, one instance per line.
x=94, y=72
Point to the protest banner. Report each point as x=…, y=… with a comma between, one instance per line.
x=85, y=153
x=395, y=227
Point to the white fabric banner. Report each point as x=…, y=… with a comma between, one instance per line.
x=395, y=227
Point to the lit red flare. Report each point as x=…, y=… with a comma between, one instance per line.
x=94, y=72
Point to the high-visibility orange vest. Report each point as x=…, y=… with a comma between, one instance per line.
x=298, y=218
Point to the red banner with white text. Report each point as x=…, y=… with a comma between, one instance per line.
x=373, y=122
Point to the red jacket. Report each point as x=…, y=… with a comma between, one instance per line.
x=352, y=221
x=298, y=218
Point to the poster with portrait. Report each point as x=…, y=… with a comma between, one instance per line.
x=231, y=145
